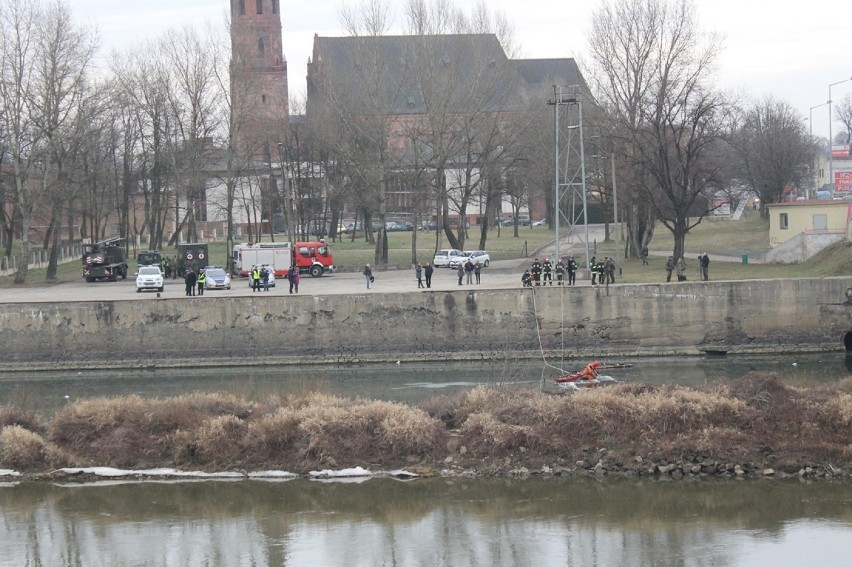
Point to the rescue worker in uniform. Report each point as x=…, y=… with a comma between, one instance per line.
x=571, y=267
x=593, y=269
x=535, y=269
x=590, y=372
x=547, y=272
x=200, y=281
x=560, y=271
x=255, y=279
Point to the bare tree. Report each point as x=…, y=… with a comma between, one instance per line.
x=774, y=149
x=843, y=111
x=20, y=21
x=64, y=56
x=653, y=73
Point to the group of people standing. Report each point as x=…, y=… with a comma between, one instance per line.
x=194, y=281
x=421, y=270
x=679, y=267
x=603, y=272
x=541, y=273
x=470, y=270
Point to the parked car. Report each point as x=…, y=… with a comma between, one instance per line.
x=542, y=222
x=522, y=221
x=149, y=277
x=456, y=260
x=217, y=278
x=430, y=225
x=480, y=256
x=399, y=226
x=475, y=256
x=443, y=257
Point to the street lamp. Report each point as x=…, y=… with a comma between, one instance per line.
x=830, y=141
x=811, y=123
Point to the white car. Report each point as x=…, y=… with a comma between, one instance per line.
x=443, y=257
x=480, y=256
x=149, y=277
x=216, y=278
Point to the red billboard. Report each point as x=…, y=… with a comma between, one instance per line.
x=840, y=151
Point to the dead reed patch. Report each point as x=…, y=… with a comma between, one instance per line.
x=755, y=418
x=24, y=449
x=11, y=415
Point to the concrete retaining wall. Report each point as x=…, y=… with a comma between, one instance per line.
x=768, y=315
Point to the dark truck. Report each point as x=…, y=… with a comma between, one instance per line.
x=104, y=260
x=149, y=258
x=191, y=256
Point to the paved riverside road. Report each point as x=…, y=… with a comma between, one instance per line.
x=504, y=274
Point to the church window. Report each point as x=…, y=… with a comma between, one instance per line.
x=260, y=47
x=242, y=7
x=259, y=6
x=274, y=6
x=263, y=99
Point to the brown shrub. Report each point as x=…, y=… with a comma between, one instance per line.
x=273, y=436
x=407, y=431
x=835, y=415
x=21, y=448
x=763, y=391
x=10, y=415
x=485, y=435
x=218, y=441
x=187, y=411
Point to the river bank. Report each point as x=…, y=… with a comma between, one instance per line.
x=754, y=427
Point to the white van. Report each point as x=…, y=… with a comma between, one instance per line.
x=443, y=256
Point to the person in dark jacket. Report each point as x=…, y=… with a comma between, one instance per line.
x=427, y=271
x=190, y=279
x=293, y=277
x=704, y=264
x=368, y=275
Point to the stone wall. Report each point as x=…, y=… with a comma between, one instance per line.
x=761, y=315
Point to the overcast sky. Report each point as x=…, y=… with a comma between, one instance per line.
x=793, y=51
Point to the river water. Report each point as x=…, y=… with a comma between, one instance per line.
x=428, y=522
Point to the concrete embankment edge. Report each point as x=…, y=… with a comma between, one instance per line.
x=779, y=315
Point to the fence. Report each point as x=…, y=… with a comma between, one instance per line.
x=40, y=259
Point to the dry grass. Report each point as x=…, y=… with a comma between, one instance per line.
x=23, y=449
x=11, y=415
x=756, y=419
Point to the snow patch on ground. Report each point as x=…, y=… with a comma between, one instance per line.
x=112, y=473
x=7, y=472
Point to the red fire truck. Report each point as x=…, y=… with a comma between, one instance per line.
x=314, y=258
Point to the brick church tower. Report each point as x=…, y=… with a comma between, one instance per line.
x=258, y=77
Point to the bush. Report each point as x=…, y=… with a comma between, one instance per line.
x=10, y=415
x=21, y=448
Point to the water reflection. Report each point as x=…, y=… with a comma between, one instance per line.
x=45, y=391
x=487, y=522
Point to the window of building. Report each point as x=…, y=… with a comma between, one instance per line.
x=259, y=6
x=821, y=222
x=260, y=47
x=783, y=223
x=263, y=99
x=274, y=6
x=242, y=7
